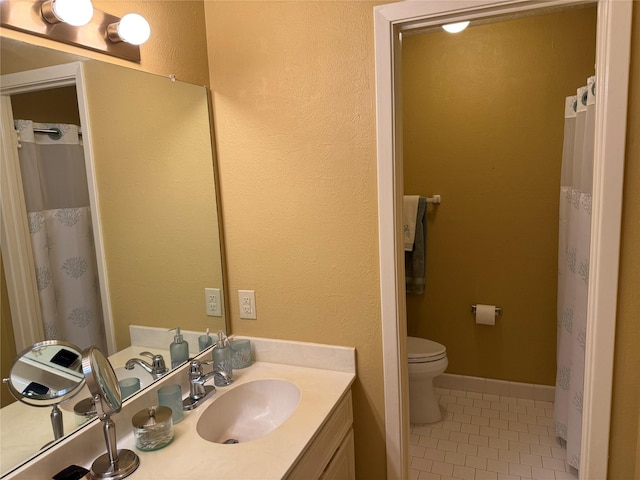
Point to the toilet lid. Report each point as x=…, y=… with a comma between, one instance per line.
x=420, y=350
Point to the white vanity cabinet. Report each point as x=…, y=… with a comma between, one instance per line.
x=330, y=456
x=342, y=466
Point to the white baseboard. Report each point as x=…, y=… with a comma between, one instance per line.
x=491, y=386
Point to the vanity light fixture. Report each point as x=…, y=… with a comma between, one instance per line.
x=132, y=28
x=455, y=27
x=77, y=23
x=74, y=12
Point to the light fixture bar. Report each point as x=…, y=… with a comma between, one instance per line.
x=25, y=16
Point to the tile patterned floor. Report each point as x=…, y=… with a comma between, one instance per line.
x=488, y=437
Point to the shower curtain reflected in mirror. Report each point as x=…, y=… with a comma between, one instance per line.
x=573, y=265
x=57, y=202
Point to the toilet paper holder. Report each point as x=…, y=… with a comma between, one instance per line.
x=498, y=310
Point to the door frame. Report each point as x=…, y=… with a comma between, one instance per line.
x=612, y=67
x=16, y=246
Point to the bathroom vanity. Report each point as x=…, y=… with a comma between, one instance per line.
x=314, y=442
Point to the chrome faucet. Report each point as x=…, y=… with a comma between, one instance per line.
x=156, y=368
x=198, y=391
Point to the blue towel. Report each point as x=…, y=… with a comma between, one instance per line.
x=415, y=261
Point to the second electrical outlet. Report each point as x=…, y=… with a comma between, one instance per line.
x=213, y=302
x=247, y=302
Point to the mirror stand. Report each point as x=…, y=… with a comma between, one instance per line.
x=56, y=422
x=114, y=464
x=103, y=385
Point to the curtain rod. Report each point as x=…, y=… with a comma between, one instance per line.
x=51, y=131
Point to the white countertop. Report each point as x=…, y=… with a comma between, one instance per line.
x=188, y=455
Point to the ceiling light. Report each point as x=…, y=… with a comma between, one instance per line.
x=73, y=12
x=455, y=27
x=132, y=28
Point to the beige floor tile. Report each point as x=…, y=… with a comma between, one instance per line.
x=488, y=437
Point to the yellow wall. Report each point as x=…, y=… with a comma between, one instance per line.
x=154, y=174
x=483, y=119
x=323, y=285
x=294, y=104
x=59, y=105
x=625, y=419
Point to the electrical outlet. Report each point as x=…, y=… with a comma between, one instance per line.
x=213, y=302
x=247, y=303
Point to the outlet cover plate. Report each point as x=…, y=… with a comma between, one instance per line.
x=213, y=302
x=247, y=304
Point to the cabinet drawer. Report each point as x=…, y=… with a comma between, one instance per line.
x=318, y=454
x=343, y=464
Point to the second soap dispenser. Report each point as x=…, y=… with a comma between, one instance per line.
x=179, y=349
x=222, y=359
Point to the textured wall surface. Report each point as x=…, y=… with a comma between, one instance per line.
x=293, y=90
x=483, y=123
x=155, y=184
x=344, y=304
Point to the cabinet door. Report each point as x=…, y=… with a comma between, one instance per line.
x=342, y=465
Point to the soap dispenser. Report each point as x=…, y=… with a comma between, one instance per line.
x=179, y=349
x=222, y=358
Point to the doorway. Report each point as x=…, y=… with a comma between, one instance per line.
x=613, y=35
x=51, y=94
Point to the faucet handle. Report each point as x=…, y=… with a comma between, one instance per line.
x=196, y=369
x=157, y=361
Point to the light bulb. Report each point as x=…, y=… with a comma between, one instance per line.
x=133, y=29
x=455, y=27
x=73, y=12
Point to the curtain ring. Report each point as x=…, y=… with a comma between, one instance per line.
x=56, y=134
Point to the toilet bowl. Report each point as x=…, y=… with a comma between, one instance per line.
x=427, y=359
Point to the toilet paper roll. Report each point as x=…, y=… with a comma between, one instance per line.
x=485, y=314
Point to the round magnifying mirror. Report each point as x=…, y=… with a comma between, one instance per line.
x=46, y=374
x=103, y=385
x=101, y=380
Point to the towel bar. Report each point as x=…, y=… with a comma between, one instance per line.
x=435, y=199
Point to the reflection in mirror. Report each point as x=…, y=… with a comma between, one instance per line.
x=103, y=385
x=152, y=171
x=101, y=382
x=46, y=375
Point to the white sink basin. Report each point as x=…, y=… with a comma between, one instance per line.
x=249, y=411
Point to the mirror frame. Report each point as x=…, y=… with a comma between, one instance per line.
x=101, y=382
x=612, y=64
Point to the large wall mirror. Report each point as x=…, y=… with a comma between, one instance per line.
x=153, y=178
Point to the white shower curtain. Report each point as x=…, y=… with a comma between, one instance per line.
x=573, y=265
x=57, y=200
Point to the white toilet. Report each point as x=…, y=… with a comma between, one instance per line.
x=427, y=359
